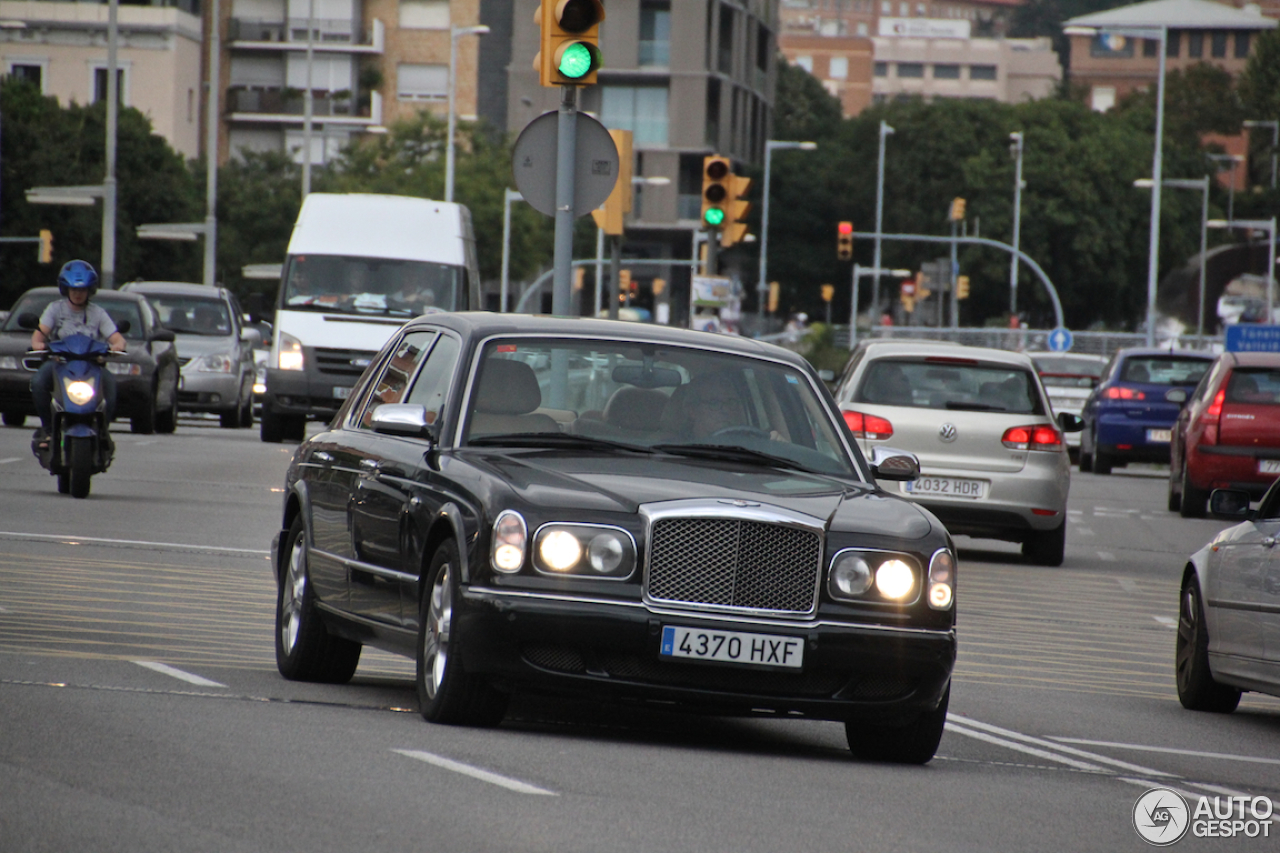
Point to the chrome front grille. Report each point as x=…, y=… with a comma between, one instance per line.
x=736, y=564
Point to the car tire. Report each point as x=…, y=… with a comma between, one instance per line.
x=295, y=427
x=1194, y=501
x=1174, y=498
x=144, y=422
x=446, y=692
x=13, y=419
x=246, y=410
x=1197, y=689
x=167, y=421
x=305, y=650
x=270, y=428
x=915, y=743
x=1101, y=462
x=229, y=418
x=1046, y=548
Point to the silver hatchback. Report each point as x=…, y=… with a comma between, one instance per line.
x=993, y=458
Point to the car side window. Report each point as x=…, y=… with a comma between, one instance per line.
x=431, y=388
x=396, y=373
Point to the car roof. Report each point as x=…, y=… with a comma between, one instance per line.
x=101, y=294
x=1255, y=359
x=947, y=349
x=1180, y=353
x=183, y=288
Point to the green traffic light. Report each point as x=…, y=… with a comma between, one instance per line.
x=714, y=216
x=575, y=61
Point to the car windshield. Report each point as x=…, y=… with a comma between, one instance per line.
x=950, y=383
x=1163, y=370
x=371, y=286
x=190, y=315
x=121, y=310
x=653, y=397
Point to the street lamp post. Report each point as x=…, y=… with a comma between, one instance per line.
x=770, y=146
x=455, y=32
x=1201, y=184
x=308, y=106
x=108, y=272
x=885, y=131
x=1016, y=146
x=1274, y=124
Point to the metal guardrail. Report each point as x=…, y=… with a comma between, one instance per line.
x=1029, y=340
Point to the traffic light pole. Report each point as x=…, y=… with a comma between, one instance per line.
x=615, y=276
x=566, y=156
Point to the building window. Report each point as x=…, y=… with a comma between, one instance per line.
x=1173, y=44
x=838, y=68
x=1242, y=44
x=1195, y=45
x=31, y=72
x=100, y=86
x=422, y=82
x=1102, y=98
x=1150, y=47
x=725, y=44
x=1219, y=44
x=946, y=72
x=886, y=7
x=982, y=72
x=805, y=62
x=713, y=113
x=191, y=105
x=910, y=69
x=655, y=34
x=862, y=28
x=1111, y=47
x=639, y=109
x=424, y=14
x=882, y=69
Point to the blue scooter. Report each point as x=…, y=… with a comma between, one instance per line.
x=79, y=446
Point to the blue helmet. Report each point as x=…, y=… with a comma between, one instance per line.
x=77, y=275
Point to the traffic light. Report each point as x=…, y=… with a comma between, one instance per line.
x=957, y=209
x=736, y=210
x=828, y=291
x=46, y=246
x=908, y=297
x=579, y=275
x=715, y=190
x=624, y=281
x=775, y=290
x=659, y=285
x=921, y=291
x=611, y=217
x=570, y=42
x=844, y=241
x=962, y=287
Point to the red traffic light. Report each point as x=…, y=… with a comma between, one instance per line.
x=844, y=228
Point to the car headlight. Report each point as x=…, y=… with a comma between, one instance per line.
x=80, y=391
x=216, y=363
x=8, y=362
x=124, y=368
x=942, y=580
x=290, y=356
x=584, y=549
x=875, y=577
x=509, y=537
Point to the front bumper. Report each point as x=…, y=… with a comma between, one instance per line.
x=611, y=649
x=299, y=392
x=205, y=391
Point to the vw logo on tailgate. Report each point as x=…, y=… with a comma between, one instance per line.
x=947, y=433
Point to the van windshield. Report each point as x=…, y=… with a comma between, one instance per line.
x=371, y=286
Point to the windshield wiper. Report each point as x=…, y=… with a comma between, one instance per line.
x=554, y=439
x=730, y=451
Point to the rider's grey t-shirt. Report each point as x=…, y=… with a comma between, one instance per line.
x=62, y=320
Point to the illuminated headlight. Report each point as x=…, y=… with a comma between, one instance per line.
x=942, y=580
x=259, y=388
x=583, y=549
x=874, y=577
x=290, y=355
x=8, y=362
x=80, y=391
x=509, y=537
x=219, y=363
x=124, y=368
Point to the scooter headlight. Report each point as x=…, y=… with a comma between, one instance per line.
x=80, y=392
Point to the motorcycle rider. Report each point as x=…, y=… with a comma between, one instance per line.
x=72, y=315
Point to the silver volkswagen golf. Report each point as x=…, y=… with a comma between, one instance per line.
x=993, y=458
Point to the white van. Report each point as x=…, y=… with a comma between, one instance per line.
x=358, y=267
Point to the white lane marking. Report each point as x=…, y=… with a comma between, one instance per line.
x=1127, y=584
x=1106, y=556
x=1046, y=744
x=174, y=672
x=1138, y=747
x=1081, y=531
x=66, y=538
x=1167, y=621
x=476, y=773
x=1039, y=753
x=10, y=459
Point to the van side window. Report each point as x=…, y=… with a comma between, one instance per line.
x=396, y=373
x=433, y=380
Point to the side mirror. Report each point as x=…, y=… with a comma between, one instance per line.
x=404, y=419
x=889, y=463
x=164, y=336
x=252, y=337
x=1070, y=422
x=1230, y=504
x=28, y=321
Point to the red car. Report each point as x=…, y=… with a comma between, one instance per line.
x=1228, y=433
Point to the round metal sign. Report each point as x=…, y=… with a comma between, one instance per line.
x=533, y=164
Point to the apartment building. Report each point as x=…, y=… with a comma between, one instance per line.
x=988, y=18
x=1004, y=69
x=61, y=47
x=843, y=64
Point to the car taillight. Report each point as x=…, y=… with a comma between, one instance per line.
x=868, y=426
x=1212, y=416
x=1033, y=437
x=1114, y=393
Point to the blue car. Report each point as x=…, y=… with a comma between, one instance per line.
x=1130, y=414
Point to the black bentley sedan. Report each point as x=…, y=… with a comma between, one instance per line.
x=617, y=510
x=146, y=377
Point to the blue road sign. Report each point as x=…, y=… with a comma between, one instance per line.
x=1060, y=340
x=1252, y=337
